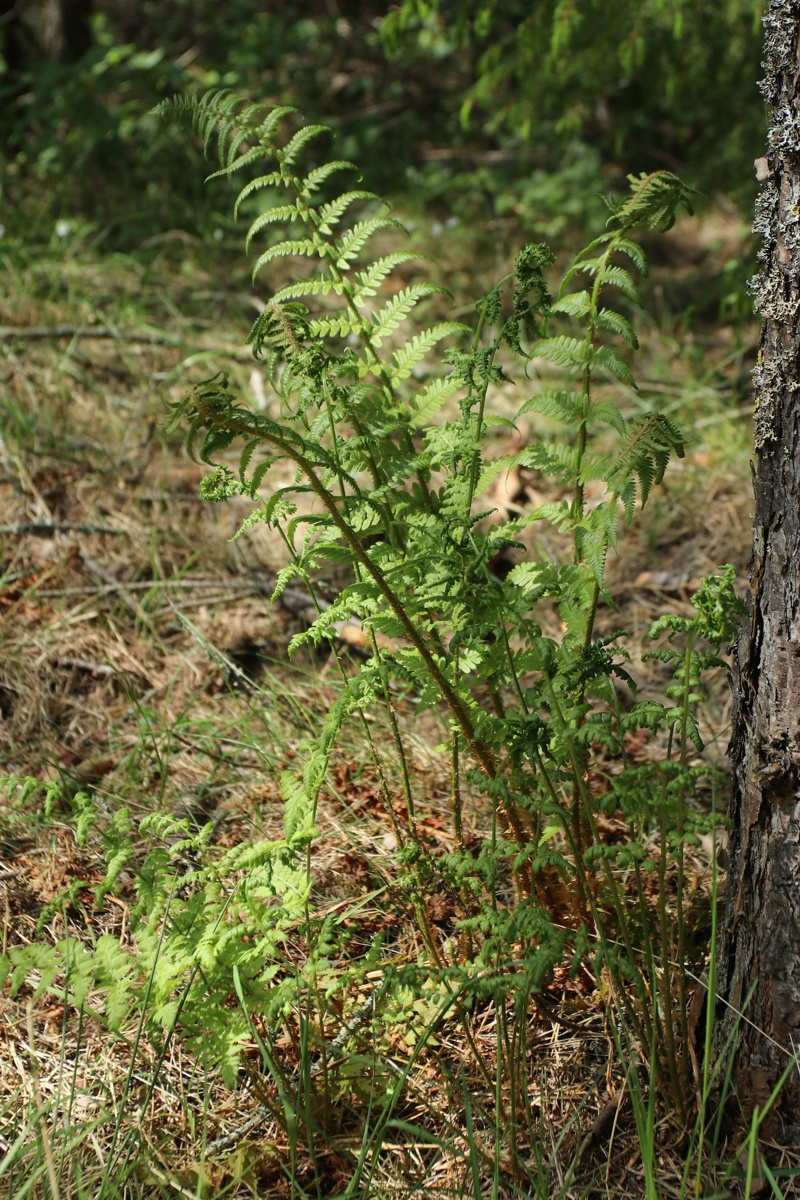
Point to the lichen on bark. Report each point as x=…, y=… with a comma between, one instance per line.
x=759, y=961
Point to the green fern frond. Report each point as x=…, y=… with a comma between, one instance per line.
x=573, y=304
x=427, y=403
x=654, y=203
x=330, y=214
x=301, y=247
x=607, y=318
x=605, y=412
x=387, y=319
x=319, y=175
x=651, y=441
x=338, y=324
x=288, y=155
x=563, y=406
x=369, y=280
x=634, y=252
x=283, y=212
x=493, y=469
x=350, y=245
x=408, y=356
x=563, y=351
x=604, y=356
x=263, y=181
x=314, y=285
x=622, y=279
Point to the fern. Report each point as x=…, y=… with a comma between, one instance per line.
x=397, y=498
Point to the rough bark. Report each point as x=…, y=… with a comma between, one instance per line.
x=760, y=945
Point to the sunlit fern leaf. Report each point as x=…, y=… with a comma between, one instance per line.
x=574, y=304
x=315, y=285
x=398, y=308
x=267, y=129
x=408, y=356
x=635, y=253
x=427, y=403
x=263, y=181
x=610, y=517
x=338, y=324
x=619, y=277
x=654, y=202
x=553, y=458
x=299, y=248
x=314, y=179
x=330, y=214
x=288, y=155
x=557, y=512
x=493, y=469
x=593, y=547
x=604, y=356
x=279, y=328
x=563, y=351
x=607, y=318
x=595, y=466
x=369, y=280
x=651, y=441
x=606, y=413
x=350, y=245
x=255, y=154
x=246, y=456
x=563, y=406
x=258, y=476
x=283, y=212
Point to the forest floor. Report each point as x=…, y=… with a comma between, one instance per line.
x=142, y=660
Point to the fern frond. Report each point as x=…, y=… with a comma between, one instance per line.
x=397, y=309
x=619, y=277
x=255, y=185
x=314, y=285
x=605, y=412
x=573, y=304
x=654, y=202
x=253, y=155
x=563, y=351
x=553, y=459
x=269, y=126
x=369, y=280
x=635, y=253
x=651, y=441
x=330, y=214
x=493, y=469
x=607, y=318
x=427, y=403
x=315, y=179
x=604, y=356
x=563, y=406
x=350, y=245
x=283, y=212
x=338, y=324
x=406, y=358
x=300, y=247
x=289, y=154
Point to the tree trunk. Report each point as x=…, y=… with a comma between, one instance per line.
x=760, y=944
x=53, y=30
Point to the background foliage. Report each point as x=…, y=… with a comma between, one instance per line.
x=493, y=109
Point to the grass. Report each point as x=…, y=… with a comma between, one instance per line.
x=142, y=660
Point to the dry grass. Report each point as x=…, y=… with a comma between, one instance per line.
x=103, y=685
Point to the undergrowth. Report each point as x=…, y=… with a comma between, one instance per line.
x=392, y=466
